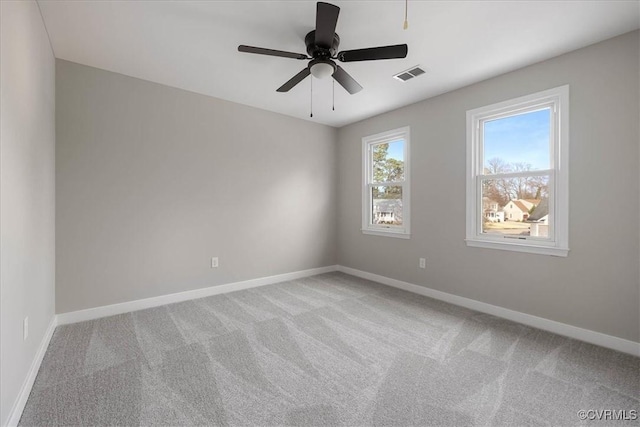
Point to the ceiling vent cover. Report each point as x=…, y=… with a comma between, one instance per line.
x=409, y=74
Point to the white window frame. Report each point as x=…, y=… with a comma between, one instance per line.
x=399, y=231
x=558, y=243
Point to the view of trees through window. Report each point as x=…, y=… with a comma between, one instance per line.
x=387, y=169
x=505, y=189
x=515, y=181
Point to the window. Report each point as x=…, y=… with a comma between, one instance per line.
x=385, y=198
x=517, y=174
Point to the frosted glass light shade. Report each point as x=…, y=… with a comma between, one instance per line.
x=321, y=70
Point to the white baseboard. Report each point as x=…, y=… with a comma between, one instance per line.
x=25, y=391
x=141, y=304
x=581, y=334
x=593, y=337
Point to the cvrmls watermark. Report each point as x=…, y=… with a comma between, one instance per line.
x=608, y=414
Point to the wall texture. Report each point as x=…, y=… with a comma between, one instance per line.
x=153, y=181
x=27, y=192
x=597, y=286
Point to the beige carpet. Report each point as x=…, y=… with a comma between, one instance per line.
x=327, y=350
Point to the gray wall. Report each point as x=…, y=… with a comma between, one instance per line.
x=27, y=192
x=597, y=286
x=153, y=181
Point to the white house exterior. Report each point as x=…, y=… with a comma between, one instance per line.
x=539, y=229
x=387, y=211
x=491, y=210
x=518, y=210
x=539, y=219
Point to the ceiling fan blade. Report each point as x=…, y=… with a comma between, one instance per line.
x=346, y=81
x=294, y=80
x=373, y=53
x=326, y=20
x=270, y=52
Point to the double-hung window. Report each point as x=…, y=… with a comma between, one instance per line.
x=385, y=196
x=517, y=174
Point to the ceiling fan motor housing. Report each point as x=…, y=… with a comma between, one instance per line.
x=321, y=52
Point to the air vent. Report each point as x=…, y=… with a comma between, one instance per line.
x=409, y=74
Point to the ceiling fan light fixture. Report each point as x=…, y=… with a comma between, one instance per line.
x=322, y=69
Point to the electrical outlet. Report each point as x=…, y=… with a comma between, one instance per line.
x=423, y=263
x=214, y=262
x=25, y=328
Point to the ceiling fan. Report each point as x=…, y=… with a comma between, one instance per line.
x=322, y=45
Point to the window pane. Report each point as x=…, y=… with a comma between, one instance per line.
x=516, y=206
x=386, y=205
x=517, y=143
x=388, y=161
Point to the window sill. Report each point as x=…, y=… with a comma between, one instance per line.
x=383, y=233
x=519, y=247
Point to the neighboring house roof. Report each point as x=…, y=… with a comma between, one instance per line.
x=540, y=211
x=519, y=205
x=535, y=202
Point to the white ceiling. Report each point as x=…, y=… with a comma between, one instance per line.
x=192, y=45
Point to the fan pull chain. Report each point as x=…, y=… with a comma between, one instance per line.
x=333, y=95
x=406, y=6
x=311, y=98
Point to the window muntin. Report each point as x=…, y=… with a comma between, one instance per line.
x=386, y=184
x=517, y=159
